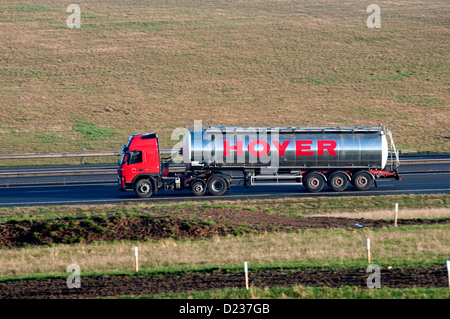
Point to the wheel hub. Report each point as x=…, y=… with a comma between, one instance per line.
x=314, y=182
x=217, y=186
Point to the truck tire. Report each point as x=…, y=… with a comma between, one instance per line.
x=143, y=188
x=217, y=186
x=338, y=182
x=362, y=181
x=198, y=188
x=314, y=182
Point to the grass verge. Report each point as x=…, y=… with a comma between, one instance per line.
x=305, y=206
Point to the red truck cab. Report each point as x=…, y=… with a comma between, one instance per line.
x=140, y=160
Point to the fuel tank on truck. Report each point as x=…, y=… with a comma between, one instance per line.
x=286, y=147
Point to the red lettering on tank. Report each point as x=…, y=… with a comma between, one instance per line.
x=265, y=150
x=281, y=148
x=237, y=148
x=300, y=148
x=326, y=145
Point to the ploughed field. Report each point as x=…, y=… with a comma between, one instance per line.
x=114, y=286
x=197, y=224
x=193, y=225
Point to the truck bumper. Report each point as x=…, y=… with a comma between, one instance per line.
x=123, y=187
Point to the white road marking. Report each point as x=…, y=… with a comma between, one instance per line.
x=49, y=191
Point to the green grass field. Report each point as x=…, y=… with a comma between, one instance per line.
x=407, y=246
x=153, y=66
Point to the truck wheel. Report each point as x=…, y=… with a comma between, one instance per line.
x=338, y=182
x=314, y=182
x=198, y=188
x=143, y=188
x=217, y=186
x=362, y=181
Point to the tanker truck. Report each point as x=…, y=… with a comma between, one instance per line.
x=215, y=158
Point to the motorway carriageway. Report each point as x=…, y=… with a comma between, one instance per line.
x=103, y=189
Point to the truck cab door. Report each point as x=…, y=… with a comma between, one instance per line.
x=134, y=164
x=152, y=162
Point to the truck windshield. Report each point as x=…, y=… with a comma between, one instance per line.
x=131, y=158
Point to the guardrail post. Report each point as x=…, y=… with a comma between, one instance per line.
x=84, y=157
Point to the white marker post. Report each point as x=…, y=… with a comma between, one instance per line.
x=136, y=264
x=396, y=214
x=448, y=273
x=368, y=250
x=246, y=275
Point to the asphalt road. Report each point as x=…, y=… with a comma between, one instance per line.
x=102, y=189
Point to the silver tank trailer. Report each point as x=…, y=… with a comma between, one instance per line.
x=286, y=147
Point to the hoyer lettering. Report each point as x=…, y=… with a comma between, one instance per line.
x=302, y=147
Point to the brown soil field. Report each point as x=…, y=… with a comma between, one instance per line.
x=114, y=286
x=212, y=222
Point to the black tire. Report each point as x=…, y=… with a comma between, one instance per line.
x=143, y=188
x=217, y=186
x=338, y=182
x=198, y=188
x=314, y=182
x=362, y=181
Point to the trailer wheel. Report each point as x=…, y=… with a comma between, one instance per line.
x=314, y=182
x=143, y=188
x=338, y=182
x=217, y=186
x=198, y=188
x=362, y=181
